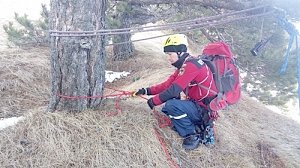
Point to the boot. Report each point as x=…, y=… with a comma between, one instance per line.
x=191, y=142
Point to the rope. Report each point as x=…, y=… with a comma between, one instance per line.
x=286, y=56
x=188, y=29
x=94, y=97
x=117, y=101
x=183, y=24
x=292, y=31
x=165, y=148
x=163, y=121
x=161, y=26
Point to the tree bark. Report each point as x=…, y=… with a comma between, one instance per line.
x=77, y=63
x=123, y=47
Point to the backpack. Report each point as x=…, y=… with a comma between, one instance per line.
x=219, y=58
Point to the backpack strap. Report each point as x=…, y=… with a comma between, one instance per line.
x=215, y=71
x=210, y=90
x=218, y=100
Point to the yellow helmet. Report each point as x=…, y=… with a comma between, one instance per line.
x=176, y=43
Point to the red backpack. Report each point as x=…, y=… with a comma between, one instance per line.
x=220, y=60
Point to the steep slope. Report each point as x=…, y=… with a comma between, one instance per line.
x=248, y=134
x=249, y=131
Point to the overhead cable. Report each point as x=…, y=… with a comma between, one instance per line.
x=199, y=22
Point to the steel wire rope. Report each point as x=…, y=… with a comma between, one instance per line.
x=154, y=27
x=171, y=24
x=211, y=23
x=133, y=31
x=191, y=29
x=174, y=23
x=149, y=38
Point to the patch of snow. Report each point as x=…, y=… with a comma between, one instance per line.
x=258, y=82
x=243, y=74
x=110, y=76
x=290, y=114
x=249, y=87
x=273, y=93
x=6, y=122
x=254, y=98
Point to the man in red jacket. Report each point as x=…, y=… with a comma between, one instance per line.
x=184, y=114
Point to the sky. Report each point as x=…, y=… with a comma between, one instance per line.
x=7, y=12
x=292, y=6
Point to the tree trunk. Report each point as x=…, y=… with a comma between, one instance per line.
x=123, y=47
x=77, y=63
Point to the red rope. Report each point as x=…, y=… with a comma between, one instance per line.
x=165, y=148
x=163, y=121
x=117, y=102
x=118, y=107
x=214, y=115
x=95, y=97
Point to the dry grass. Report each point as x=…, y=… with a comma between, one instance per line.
x=89, y=139
x=24, y=80
x=96, y=139
x=248, y=135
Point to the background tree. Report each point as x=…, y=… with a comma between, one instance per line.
x=122, y=45
x=77, y=63
x=28, y=33
x=123, y=14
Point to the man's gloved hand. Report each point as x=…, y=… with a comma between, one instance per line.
x=151, y=103
x=139, y=92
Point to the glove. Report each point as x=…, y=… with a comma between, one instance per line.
x=139, y=92
x=151, y=103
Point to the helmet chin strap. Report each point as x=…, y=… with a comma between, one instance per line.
x=179, y=54
x=180, y=60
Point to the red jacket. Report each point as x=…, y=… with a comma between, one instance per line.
x=185, y=79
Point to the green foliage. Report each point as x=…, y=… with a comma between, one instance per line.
x=265, y=67
x=27, y=32
x=43, y=23
x=119, y=12
x=123, y=7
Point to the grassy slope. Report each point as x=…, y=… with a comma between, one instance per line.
x=248, y=134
